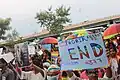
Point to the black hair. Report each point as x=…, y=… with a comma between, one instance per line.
x=3, y=61
x=38, y=63
x=37, y=60
x=48, y=53
x=64, y=74
x=4, y=48
x=76, y=73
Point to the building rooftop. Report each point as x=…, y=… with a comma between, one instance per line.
x=81, y=24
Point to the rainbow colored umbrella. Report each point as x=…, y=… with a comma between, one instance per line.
x=78, y=33
x=71, y=37
x=82, y=32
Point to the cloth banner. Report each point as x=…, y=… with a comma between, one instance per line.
x=86, y=52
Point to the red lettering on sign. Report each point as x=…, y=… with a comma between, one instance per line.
x=82, y=53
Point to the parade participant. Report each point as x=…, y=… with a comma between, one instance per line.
x=77, y=74
x=118, y=72
x=111, y=45
x=118, y=47
x=114, y=63
x=38, y=70
x=108, y=73
x=16, y=74
x=64, y=76
x=72, y=76
x=5, y=73
x=92, y=74
x=53, y=72
x=46, y=65
x=58, y=60
x=38, y=73
x=101, y=73
x=46, y=56
x=83, y=75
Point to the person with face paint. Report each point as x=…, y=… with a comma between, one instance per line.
x=5, y=73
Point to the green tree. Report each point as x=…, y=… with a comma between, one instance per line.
x=9, y=37
x=4, y=26
x=15, y=34
x=54, y=20
x=12, y=36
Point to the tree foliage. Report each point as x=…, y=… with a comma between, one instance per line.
x=15, y=34
x=4, y=26
x=54, y=20
x=12, y=36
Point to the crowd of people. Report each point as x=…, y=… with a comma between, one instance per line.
x=44, y=67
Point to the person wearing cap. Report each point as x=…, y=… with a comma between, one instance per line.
x=5, y=73
x=46, y=65
x=53, y=72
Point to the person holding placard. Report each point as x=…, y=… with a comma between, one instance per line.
x=5, y=73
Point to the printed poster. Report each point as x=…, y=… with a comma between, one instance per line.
x=86, y=52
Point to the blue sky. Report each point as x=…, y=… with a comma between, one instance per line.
x=23, y=12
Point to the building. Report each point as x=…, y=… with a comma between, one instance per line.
x=97, y=25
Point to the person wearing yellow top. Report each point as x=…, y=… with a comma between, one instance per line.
x=64, y=75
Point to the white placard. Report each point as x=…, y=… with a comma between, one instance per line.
x=1, y=50
x=7, y=57
x=40, y=52
x=31, y=49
